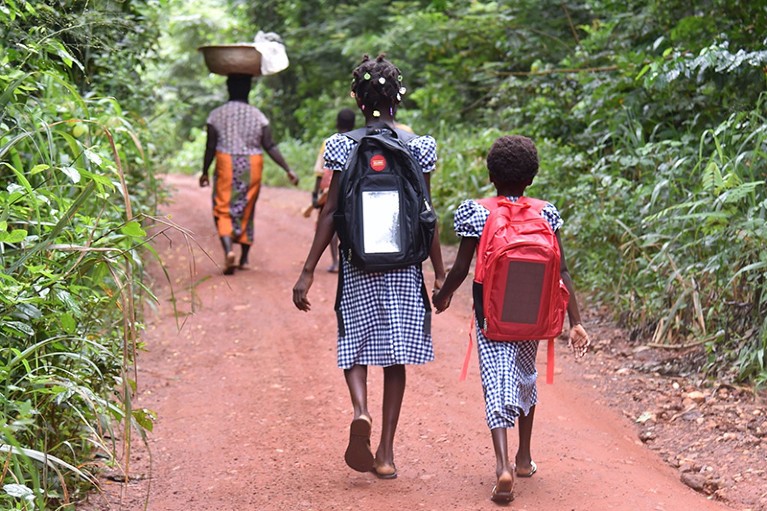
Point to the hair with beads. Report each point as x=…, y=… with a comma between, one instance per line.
x=512, y=160
x=377, y=84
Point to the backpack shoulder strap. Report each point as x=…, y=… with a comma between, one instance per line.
x=357, y=134
x=536, y=204
x=405, y=136
x=402, y=135
x=491, y=203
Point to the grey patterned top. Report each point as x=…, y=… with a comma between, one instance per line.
x=239, y=127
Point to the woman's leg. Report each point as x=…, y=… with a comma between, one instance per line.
x=244, y=255
x=226, y=242
x=523, y=459
x=394, y=390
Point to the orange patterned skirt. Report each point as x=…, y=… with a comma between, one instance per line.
x=236, y=185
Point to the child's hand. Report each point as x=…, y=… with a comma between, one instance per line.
x=301, y=289
x=579, y=340
x=441, y=301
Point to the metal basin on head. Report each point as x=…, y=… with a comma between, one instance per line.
x=227, y=59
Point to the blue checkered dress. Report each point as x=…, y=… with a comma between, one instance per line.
x=381, y=315
x=507, y=369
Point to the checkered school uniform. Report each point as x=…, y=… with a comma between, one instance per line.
x=507, y=369
x=382, y=317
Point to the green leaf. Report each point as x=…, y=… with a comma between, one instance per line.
x=133, y=229
x=38, y=168
x=66, y=298
x=145, y=418
x=19, y=491
x=20, y=327
x=68, y=323
x=15, y=236
x=72, y=173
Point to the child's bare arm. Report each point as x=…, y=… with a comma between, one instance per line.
x=322, y=237
x=457, y=273
x=435, y=251
x=579, y=338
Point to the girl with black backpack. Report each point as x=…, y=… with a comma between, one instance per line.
x=383, y=316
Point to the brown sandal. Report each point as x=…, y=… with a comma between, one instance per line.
x=503, y=491
x=358, y=454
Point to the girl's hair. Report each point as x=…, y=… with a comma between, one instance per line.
x=513, y=159
x=239, y=86
x=377, y=84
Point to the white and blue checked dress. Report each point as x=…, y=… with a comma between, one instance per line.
x=507, y=369
x=381, y=315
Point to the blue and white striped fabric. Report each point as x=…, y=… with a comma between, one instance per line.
x=382, y=314
x=507, y=369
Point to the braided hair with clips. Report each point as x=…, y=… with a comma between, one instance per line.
x=377, y=85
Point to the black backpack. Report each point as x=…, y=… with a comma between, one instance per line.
x=384, y=217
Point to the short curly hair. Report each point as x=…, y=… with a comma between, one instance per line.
x=512, y=160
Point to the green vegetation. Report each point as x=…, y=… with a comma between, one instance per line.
x=650, y=118
x=75, y=187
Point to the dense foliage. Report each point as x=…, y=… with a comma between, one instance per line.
x=649, y=117
x=75, y=184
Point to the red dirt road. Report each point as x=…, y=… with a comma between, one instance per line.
x=253, y=413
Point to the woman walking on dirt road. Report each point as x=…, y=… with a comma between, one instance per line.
x=238, y=134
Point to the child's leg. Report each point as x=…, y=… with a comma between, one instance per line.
x=358, y=454
x=523, y=458
x=357, y=381
x=500, y=446
x=503, y=491
x=394, y=390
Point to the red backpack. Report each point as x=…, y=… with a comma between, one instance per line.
x=518, y=291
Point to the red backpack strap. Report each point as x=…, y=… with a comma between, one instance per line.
x=491, y=203
x=536, y=204
x=467, y=358
x=550, y=362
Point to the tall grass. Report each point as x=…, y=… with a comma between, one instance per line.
x=74, y=188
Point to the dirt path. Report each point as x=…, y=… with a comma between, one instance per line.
x=253, y=412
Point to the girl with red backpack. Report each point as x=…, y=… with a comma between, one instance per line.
x=507, y=369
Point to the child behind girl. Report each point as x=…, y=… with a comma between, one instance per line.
x=507, y=369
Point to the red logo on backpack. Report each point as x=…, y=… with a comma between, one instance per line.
x=377, y=162
x=517, y=275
